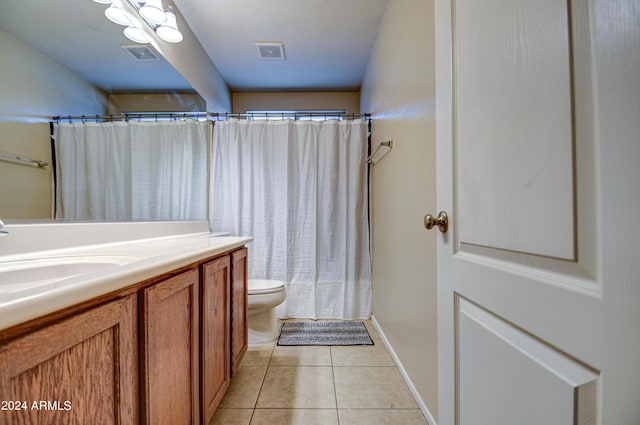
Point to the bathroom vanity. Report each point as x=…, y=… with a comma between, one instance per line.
x=153, y=341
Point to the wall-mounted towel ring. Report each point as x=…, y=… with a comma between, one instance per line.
x=387, y=144
x=23, y=159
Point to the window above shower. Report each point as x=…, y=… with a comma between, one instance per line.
x=301, y=115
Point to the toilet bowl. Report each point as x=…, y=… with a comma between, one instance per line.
x=264, y=297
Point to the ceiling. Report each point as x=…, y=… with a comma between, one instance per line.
x=76, y=33
x=327, y=43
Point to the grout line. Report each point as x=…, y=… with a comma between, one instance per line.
x=335, y=391
x=264, y=378
x=365, y=365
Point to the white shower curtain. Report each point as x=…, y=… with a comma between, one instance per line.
x=299, y=189
x=119, y=171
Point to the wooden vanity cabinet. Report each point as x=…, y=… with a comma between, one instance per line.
x=239, y=300
x=161, y=352
x=169, y=324
x=215, y=337
x=79, y=370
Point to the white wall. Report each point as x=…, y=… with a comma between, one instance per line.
x=34, y=87
x=399, y=90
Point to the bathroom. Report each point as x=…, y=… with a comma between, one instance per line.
x=397, y=87
x=409, y=268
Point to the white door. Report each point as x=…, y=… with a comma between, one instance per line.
x=538, y=156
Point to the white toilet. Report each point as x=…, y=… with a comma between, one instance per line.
x=264, y=297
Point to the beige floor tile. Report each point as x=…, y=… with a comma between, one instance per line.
x=381, y=417
x=232, y=417
x=295, y=417
x=298, y=387
x=301, y=356
x=361, y=355
x=373, y=332
x=258, y=354
x=245, y=387
x=372, y=387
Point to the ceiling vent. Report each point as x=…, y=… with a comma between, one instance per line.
x=142, y=53
x=270, y=50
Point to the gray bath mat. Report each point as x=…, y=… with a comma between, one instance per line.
x=324, y=333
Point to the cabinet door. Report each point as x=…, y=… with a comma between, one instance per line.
x=78, y=371
x=239, y=295
x=215, y=334
x=170, y=351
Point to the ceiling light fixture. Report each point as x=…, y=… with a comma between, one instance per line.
x=163, y=22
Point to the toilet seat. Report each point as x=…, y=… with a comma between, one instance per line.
x=263, y=286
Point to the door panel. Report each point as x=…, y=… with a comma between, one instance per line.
x=83, y=368
x=515, y=56
x=508, y=376
x=170, y=369
x=215, y=330
x=239, y=305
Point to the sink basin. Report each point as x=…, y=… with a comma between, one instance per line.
x=45, y=270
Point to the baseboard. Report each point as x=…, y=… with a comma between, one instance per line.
x=421, y=404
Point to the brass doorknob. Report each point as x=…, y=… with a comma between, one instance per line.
x=442, y=221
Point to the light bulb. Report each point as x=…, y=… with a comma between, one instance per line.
x=117, y=16
x=169, y=30
x=153, y=12
x=135, y=34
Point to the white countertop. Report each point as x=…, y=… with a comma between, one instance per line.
x=153, y=257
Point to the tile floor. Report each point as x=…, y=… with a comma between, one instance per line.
x=354, y=385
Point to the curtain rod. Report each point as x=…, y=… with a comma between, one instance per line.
x=132, y=116
x=289, y=115
x=214, y=116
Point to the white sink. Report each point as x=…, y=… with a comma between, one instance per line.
x=50, y=269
